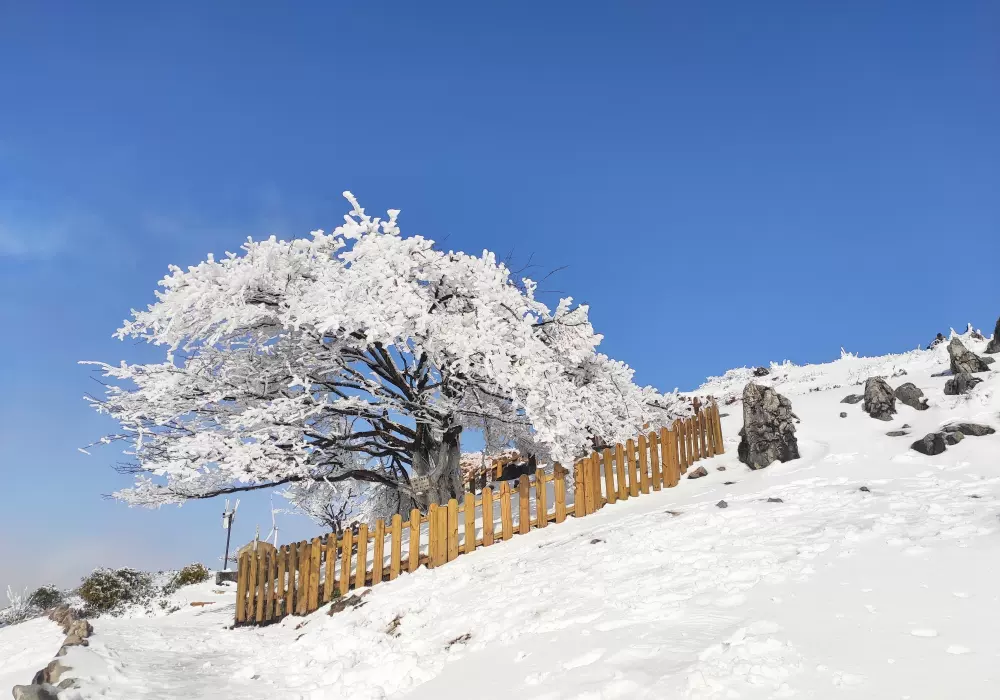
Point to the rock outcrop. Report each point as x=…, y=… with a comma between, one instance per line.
x=973, y=429
x=880, y=402
x=963, y=360
x=994, y=345
x=768, y=432
x=43, y=685
x=961, y=384
x=910, y=395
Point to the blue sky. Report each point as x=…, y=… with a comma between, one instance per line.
x=727, y=184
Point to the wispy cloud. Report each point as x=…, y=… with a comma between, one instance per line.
x=34, y=244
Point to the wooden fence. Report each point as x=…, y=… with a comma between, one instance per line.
x=298, y=578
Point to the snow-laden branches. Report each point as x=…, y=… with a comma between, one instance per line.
x=357, y=355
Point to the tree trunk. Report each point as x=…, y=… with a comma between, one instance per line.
x=436, y=455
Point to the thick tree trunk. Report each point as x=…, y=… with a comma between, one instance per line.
x=436, y=455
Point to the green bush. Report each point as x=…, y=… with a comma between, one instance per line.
x=109, y=590
x=192, y=573
x=46, y=597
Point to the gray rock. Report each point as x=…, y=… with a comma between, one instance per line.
x=961, y=384
x=35, y=692
x=79, y=628
x=953, y=438
x=989, y=360
x=761, y=372
x=843, y=414
x=865, y=489
x=898, y=433
x=768, y=432
x=853, y=398
x=994, y=345
x=963, y=360
x=721, y=504
x=696, y=474
x=880, y=402
x=930, y=444
x=775, y=500
x=973, y=429
x=910, y=395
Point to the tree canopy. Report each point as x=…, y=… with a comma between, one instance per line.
x=359, y=354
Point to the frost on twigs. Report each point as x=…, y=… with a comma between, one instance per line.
x=357, y=357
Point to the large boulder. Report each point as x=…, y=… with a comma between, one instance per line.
x=880, y=402
x=768, y=432
x=910, y=395
x=994, y=345
x=963, y=360
x=931, y=444
x=961, y=384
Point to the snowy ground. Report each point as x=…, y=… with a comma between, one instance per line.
x=24, y=649
x=831, y=592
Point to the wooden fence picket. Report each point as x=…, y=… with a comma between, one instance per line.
x=315, y=559
x=633, y=468
x=330, y=557
x=396, y=548
x=488, y=516
x=346, y=553
x=269, y=576
x=643, y=449
x=559, y=491
x=413, y=553
x=470, y=523
x=579, y=500
x=620, y=473
x=361, y=568
x=609, y=475
x=242, y=574
x=523, y=505
x=379, y=554
x=452, y=529
x=279, y=591
x=541, y=499
x=506, y=514
x=260, y=570
x=654, y=461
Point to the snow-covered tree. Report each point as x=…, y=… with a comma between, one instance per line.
x=357, y=356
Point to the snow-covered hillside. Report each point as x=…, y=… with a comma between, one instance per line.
x=861, y=570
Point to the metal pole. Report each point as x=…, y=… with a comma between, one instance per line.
x=225, y=560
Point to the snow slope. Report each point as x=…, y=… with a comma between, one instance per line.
x=830, y=592
x=24, y=649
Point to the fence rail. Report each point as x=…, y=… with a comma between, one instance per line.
x=298, y=578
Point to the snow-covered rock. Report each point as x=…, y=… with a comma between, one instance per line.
x=768, y=432
x=880, y=402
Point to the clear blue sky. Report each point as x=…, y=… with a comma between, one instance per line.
x=728, y=184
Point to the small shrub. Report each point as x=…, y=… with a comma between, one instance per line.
x=19, y=608
x=47, y=597
x=190, y=574
x=110, y=590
